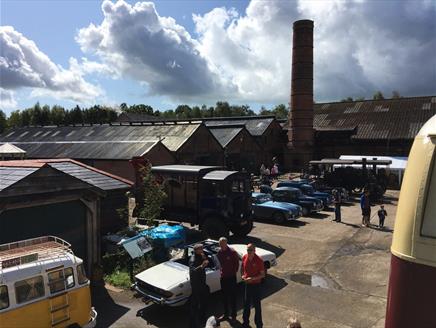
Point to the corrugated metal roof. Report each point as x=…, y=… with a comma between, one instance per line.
x=13, y=171
x=91, y=177
x=87, y=150
x=11, y=175
x=256, y=125
x=218, y=175
x=76, y=138
x=399, y=118
x=183, y=168
x=225, y=135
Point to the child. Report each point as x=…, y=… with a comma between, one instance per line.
x=381, y=216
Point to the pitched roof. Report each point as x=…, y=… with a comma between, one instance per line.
x=74, y=139
x=225, y=134
x=256, y=125
x=399, y=118
x=14, y=171
x=8, y=148
x=88, y=150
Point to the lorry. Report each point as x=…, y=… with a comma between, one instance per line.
x=217, y=200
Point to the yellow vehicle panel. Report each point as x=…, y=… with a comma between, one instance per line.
x=38, y=314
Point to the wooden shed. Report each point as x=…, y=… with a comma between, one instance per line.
x=241, y=151
x=63, y=198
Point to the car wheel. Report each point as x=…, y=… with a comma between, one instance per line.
x=278, y=217
x=305, y=211
x=244, y=230
x=214, y=228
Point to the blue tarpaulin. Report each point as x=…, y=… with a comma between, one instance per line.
x=165, y=235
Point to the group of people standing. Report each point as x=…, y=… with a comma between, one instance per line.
x=252, y=273
x=365, y=205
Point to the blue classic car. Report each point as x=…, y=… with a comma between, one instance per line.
x=264, y=207
x=296, y=196
x=326, y=198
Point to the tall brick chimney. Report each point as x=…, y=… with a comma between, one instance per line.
x=300, y=120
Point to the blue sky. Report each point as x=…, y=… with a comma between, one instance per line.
x=170, y=52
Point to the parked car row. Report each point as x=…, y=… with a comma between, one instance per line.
x=290, y=200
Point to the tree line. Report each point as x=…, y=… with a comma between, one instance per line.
x=378, y=95
x=38, y=115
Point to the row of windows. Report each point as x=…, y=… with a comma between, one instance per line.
x=33, y=288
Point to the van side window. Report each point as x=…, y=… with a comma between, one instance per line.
x=29, y=289
x=4, y=297
x=81, y=275
x=56, y=281
x=69, y=277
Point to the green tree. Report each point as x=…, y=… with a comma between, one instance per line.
x=14, y=120
x=45, y=115
x=183, y=111
x=378, y=96
x=57, y=115
x=26, y=117
x=347, y=99
x=3, y=121
x=395, y=94
x=360, y=99
x=196, y=112
x=154, y=196
x=76, y=115
x=36, y=115
x=280, y=111
x=222, y=109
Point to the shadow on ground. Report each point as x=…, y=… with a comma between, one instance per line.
x=164, y=316
x=108, y=311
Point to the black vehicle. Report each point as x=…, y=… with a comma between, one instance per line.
x=218, y=201
x=296, y=196
x=308, y=190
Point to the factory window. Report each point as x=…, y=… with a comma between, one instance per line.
x=428, y=228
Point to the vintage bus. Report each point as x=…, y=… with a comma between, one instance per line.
x=412, y=282
x=42, y=284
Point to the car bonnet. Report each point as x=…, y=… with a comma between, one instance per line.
x=165, y=275
x=281, y=205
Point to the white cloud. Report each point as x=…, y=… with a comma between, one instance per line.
x=22, y=64
x=360, y=46
x=7, y=99
x=138, y=43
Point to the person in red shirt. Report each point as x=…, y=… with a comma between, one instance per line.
x=253, y=271
x=229, y=261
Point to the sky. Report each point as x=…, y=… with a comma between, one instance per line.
x=165, y=53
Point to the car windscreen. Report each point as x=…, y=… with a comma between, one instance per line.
x=263, y=199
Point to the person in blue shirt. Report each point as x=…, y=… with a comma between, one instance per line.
x=382, y=214
x=366, y=208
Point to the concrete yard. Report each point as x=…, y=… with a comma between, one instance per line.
x=348, y=263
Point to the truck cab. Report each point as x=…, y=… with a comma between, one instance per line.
x=217, y=200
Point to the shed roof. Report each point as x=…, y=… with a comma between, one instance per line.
x=218, y=175
x=399, y=118
x=183, y=168
x=256, y=125
x=14, y=171
x=88, y=150
x=225, y=134
x=10, y=149
x=173, y=136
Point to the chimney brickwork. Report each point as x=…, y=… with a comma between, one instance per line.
x=300, y=120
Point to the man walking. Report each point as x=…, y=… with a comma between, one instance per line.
x=382, y=214
x=253, y=272
x=197, y=276
x=338, y=201
x=366, y=208
x=229, y=262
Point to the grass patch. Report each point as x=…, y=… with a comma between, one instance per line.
x=119, y=279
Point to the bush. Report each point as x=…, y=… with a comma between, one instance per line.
x=118, y=279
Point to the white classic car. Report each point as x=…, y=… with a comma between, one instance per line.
x=168, y=283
